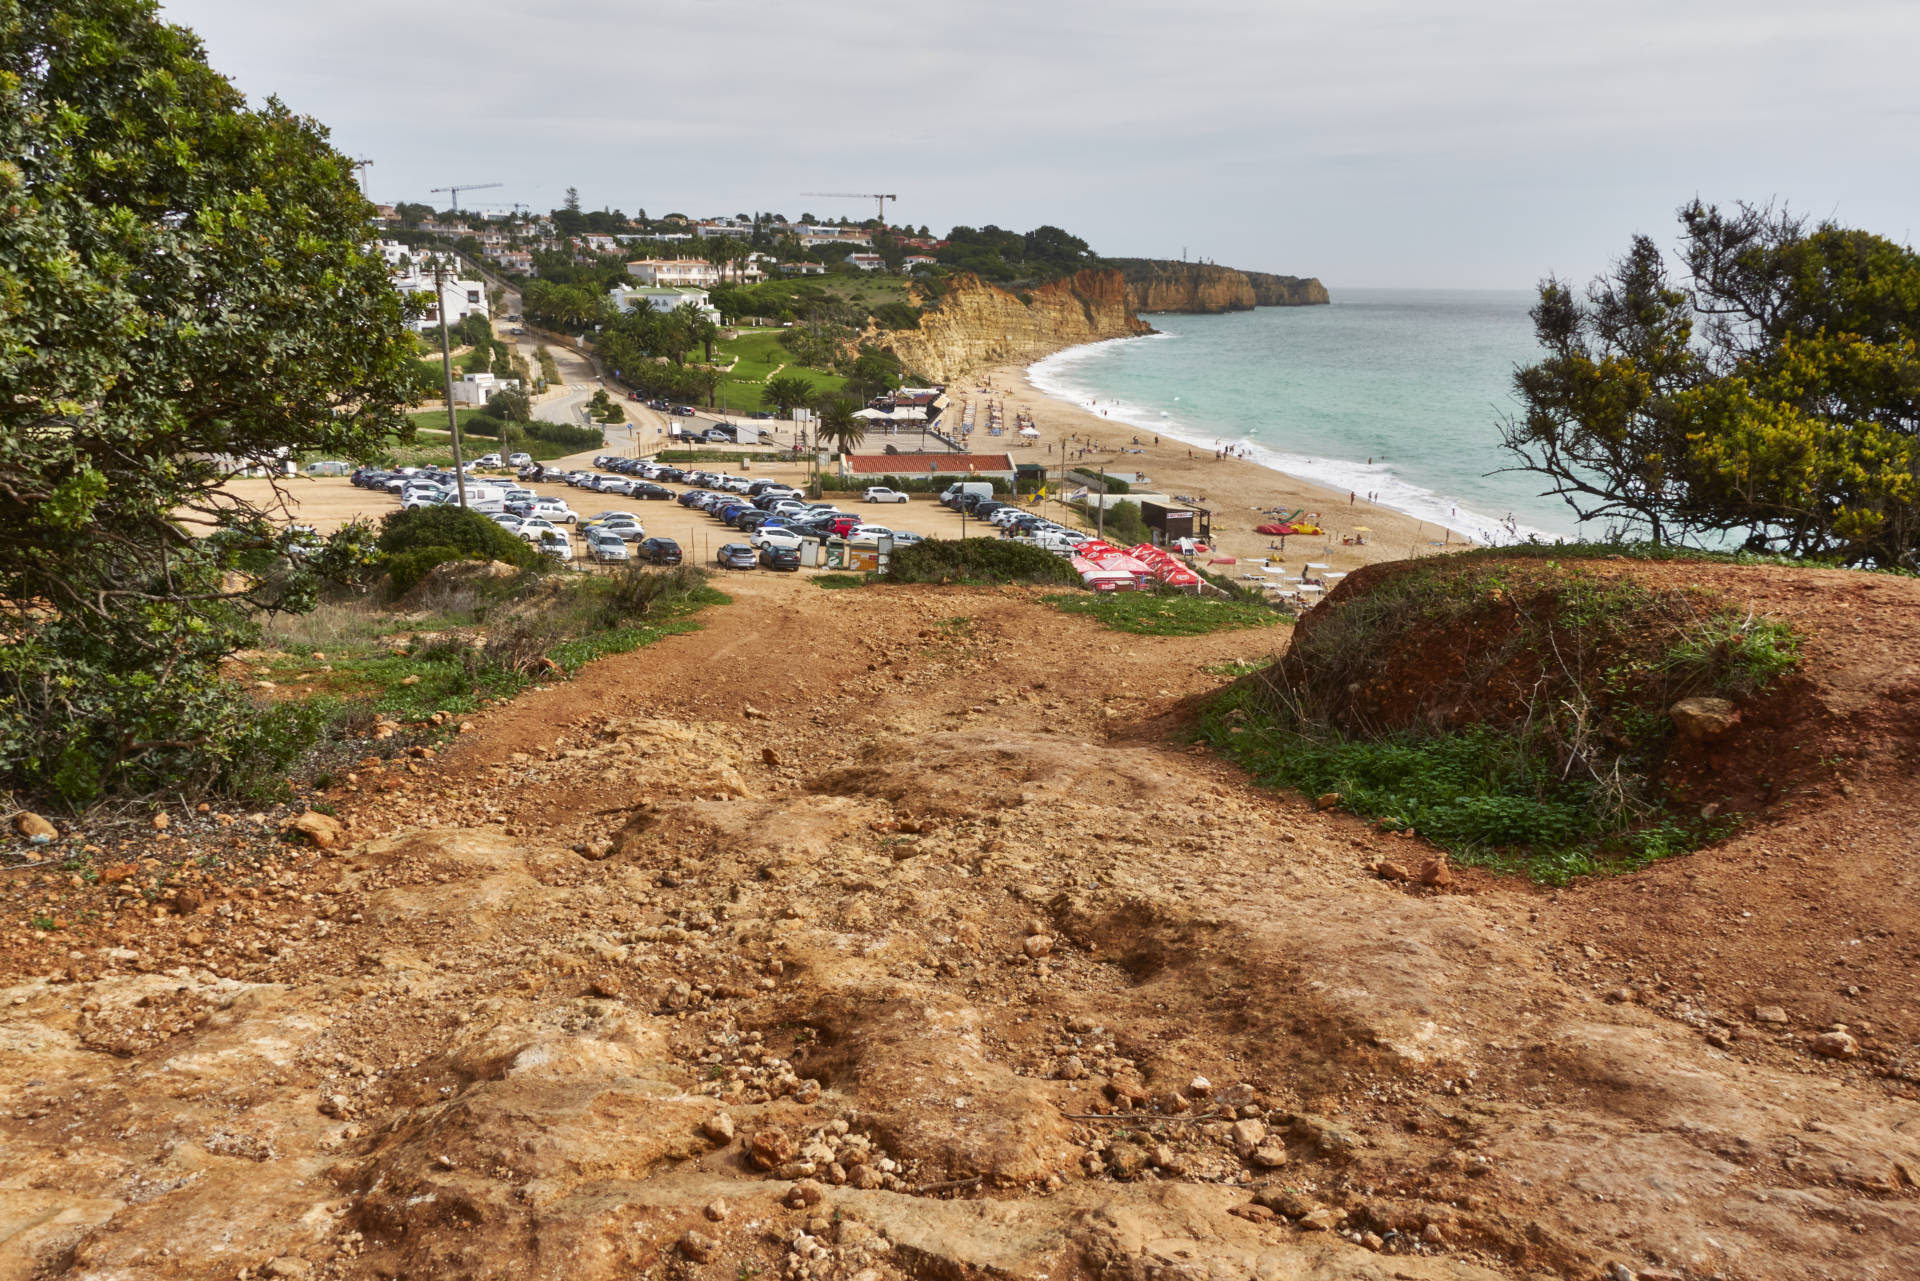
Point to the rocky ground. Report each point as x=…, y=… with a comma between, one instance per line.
x=900, y=933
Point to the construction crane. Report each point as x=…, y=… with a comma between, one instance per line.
x=468, y=186
x=360, y=172
x=857, y=195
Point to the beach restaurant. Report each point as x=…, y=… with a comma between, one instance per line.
x=872, y=467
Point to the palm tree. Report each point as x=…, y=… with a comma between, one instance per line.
x=785, y=393
x=838, y=427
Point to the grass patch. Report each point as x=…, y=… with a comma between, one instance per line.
x=1166, y=613
x=839, y=582
x=349, y=662
x=1488, y=798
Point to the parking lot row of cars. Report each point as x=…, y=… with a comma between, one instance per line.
x=1016, y=522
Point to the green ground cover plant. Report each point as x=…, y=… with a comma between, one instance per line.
x=1166, y=613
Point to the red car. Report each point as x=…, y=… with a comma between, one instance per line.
x=844, y=525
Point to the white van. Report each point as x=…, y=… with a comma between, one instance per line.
x=950, y=496
x=488, y=500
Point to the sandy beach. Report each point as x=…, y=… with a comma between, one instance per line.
x=1240, y=493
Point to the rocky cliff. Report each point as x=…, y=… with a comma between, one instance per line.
x=1286, y=291
x=1155, y=284
x=974, y=325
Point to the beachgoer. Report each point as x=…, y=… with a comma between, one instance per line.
x=1350, y=498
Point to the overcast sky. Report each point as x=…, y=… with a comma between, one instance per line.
x=1477, y=143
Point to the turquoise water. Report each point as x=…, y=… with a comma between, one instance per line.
x=1413, y=380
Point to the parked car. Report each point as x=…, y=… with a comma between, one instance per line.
x=779, y=558
x=659, y=551
x=868, y=533
x=881, y=494
x=843, y=525
x=748, y=521
x=906, y=538
x=760, y=413
x=519, y=460
x=646, y=489
x=488, y=460
x=734, y=556
x=685, y=411
x=624, y=527
x=604, y=546
x=534, y=527
x=554, y=543
x=775, y=536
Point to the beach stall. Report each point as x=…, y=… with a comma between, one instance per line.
x=1100, y=578
x=1166, y=571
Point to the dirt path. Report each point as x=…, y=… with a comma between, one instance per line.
x=898, y=933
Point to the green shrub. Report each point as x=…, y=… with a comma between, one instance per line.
x=978, y=560
x=416, y=539
x=639, y=591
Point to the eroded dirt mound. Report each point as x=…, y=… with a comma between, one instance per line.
x=926, y=953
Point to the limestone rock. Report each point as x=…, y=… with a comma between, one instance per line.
x=718, y=1127
x=1436, y=872
x=770, y=1148
x=32, y=826
x=698, y=1246
x=323, y=830
x=1704, y=719
x=1835, y=1045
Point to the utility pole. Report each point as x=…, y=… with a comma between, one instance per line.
x=446, y=370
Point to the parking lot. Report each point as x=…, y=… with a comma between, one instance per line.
x=327, y=503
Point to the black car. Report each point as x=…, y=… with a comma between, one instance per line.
x=650, y=491
x=779, y=558
x=671, y=474
x=749, y=520
x=760, y=413
x=658, y=551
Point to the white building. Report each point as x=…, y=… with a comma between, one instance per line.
x=473, y=389
x=867, y=262
x=671, y=273
x=800, y=267
x=413, y=274
x=633, y=298
x=726, y=227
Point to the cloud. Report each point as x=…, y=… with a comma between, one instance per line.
x=1377, y=142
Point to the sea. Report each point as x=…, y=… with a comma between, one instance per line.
x=1396, y=393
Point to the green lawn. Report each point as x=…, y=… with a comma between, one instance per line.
x=760, y=355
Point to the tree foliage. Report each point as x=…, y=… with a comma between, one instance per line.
x=185, y=287
x=786, y=392
x=1771, y=396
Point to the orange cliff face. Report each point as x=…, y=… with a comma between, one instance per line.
x=975, y=325
x=1208, y=289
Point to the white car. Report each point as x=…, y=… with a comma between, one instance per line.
x=610, y=484
x=554, y=543
x=868, y=533
x=555, y=510
x=784, y=539
x=533, y=529
x=486, y=460
x=519, y=460
x=881, y=494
